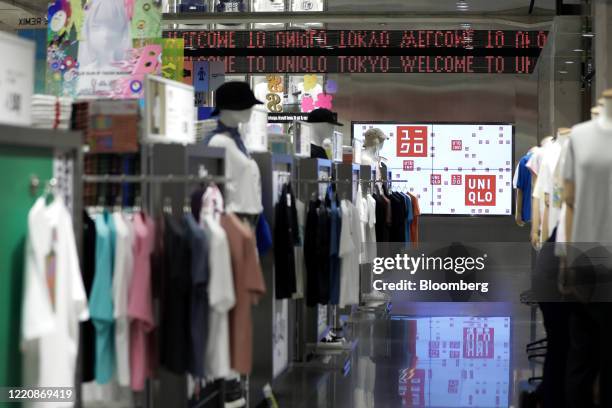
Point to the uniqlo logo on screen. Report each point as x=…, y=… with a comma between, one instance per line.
x=455, y=179
x=478, y=342
x=456, y=145
x=408, y=165
x=436, y=179
x=411, y=141
x=480, y=190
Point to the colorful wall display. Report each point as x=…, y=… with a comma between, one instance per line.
x=453, y=169
x=102, y=48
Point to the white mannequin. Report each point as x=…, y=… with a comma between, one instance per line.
x=604, y=119
x=320, y=132
x=243, y=192
x=232, y=118
x=374, y=141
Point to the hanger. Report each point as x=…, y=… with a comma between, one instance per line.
x=50, y=189
x=118, y=203
x=187, y=206
x=167, y=209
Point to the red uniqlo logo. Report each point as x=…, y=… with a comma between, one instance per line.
x=408, y=165
x=455, y=179
x=480, y=190
x=478, y=342
x=411, y=141
x=453, y=386
x=456, y=145
x=436, y=179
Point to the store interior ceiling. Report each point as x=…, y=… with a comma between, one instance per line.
x=429, y=12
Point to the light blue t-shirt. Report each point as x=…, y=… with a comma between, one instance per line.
x=101, y=299
x=409, y=215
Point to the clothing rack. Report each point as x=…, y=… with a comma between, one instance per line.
x=168, y=178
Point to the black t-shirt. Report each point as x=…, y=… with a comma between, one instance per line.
x=286, y=237
x=398, y=218
x=316, y=253
x=87, y=331
x=317, y=152
x=176, y=294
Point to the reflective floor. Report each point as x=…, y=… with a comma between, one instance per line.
x=423, y=355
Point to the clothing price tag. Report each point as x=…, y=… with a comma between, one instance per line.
x=288, y=199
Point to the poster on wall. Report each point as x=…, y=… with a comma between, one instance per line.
x=16, y=80
x=102, y=48
x=453, y=169
x=169, y=111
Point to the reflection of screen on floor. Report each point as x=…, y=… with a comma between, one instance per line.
x=453, y=169
x=461, y=362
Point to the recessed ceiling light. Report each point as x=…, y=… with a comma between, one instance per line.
x=578, y=50
x=563, y=72
x=588, y=35
x=569, y=62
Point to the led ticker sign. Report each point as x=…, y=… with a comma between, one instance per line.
x=295, y=64
x=366, y=51
x=309, y=39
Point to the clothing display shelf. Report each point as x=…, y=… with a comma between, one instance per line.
x=175, y=171
x=313, y=175
x=26, y=165
x=271, y=316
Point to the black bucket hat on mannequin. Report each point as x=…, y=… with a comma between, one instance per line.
x=323, y=115
x=234, y=96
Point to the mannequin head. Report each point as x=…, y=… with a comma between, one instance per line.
x=374, y=139
x=320, y=132
x=605, y=117
x=232, y=118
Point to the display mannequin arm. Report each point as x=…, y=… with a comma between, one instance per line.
x=518, y=216
x=569, y=198
x=545, y=216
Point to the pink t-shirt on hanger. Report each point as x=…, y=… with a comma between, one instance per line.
x=140, y=304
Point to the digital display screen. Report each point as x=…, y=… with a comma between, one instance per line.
x=453, y=169
x=449, y=39
x=366, y=51
x=459, y=362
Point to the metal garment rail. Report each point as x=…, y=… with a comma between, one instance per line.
x=167, y=178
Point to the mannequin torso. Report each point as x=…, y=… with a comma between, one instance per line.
x=320, y=132
x=243, y=191
x=586, y=173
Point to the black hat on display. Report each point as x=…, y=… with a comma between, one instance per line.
x=323, y=115
x=234, y=96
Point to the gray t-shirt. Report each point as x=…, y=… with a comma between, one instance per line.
x=588, y=164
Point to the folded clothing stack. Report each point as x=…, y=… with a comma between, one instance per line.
x=51, y=112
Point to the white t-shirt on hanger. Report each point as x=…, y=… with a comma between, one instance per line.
x=54, y=299
x=122, y=276
x=544, y=183
x=221, y=298
x=243, y=191
x=350, y=242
